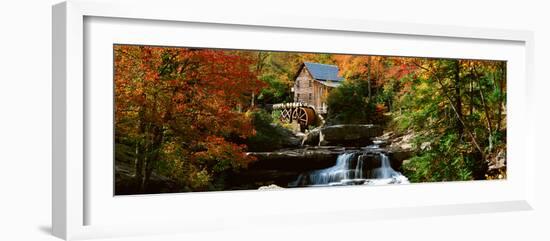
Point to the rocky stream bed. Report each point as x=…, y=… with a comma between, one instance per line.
x=327, y=156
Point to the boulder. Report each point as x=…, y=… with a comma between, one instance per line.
x=348, y=135
x=405, y=142
x=283, y=166
x=270, y=187
x=273, y=137
x=292, y=141
x=399, y=155
x=304, y=159
x=373, y=160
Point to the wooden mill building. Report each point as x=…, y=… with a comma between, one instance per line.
x=313, y=83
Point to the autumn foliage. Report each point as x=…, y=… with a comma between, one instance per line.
x=180, y=111
x=186, y=117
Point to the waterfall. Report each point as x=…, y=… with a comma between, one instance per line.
x=349, y=170
x=385, y=170
x=359, y=168
x=335, y=174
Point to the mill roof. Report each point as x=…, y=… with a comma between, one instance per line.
x=323, y=71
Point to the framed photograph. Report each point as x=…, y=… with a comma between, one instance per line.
x=169, y=120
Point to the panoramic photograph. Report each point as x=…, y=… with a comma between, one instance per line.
x=200, y=119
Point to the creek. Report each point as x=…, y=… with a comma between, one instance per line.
x=367, y=166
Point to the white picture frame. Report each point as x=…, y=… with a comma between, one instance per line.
x=76, y=193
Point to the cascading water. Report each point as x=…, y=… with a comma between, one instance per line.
x=338, y=173
x=385, y=173
x=385, y=170
x=350, y=170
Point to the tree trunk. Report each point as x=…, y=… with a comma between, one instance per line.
x=153, y=156
x=369, y=77
x=458, y=98
x=140, y=152
x=501, y=99
x=457, y=113
x=138, y=166
x=369, y=89
x=471, y=97
x=259, y=67
x=470, y=134
x=486, y=109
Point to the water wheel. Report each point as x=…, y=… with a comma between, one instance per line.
x=304, y=116
x=298, y=112
x=294, y=114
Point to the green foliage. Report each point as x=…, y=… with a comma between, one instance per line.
x=191, y=115
x=456, y=108
x=276, y=91
x=349, y=104
x=269, y=135
x=388, y=92
x=276, y=115
x=445, y=161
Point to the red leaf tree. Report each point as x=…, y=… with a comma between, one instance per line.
x=180, y=111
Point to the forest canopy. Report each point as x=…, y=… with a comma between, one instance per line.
x=185, y=118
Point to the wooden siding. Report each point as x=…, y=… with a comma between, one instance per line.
x=303, y=87
x=310, y=91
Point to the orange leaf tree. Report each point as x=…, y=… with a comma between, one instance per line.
x=179, y=111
